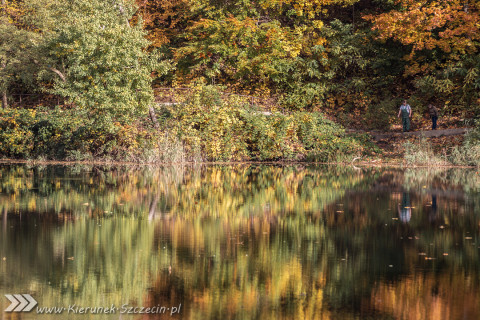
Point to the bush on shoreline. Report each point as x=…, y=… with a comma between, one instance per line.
x=203, y=128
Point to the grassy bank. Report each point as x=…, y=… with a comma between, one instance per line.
x=422, y=152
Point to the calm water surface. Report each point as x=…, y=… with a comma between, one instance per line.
x=241, y=242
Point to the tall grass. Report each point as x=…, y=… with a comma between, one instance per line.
x=421, y=153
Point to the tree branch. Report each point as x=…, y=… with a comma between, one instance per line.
x=59, y=74
x=122, y=11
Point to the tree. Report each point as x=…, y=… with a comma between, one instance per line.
x=443, y=39
x=17, y=44
x=98, y=59
x=450, y=26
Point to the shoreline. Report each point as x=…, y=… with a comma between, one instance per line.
x=398, y=163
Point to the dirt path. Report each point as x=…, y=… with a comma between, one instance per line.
x=392, y=143
x=427, y=133
x=378, y=135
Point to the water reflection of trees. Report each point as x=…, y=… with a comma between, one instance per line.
x=412, y=263
x=244, y=242
x=83, y=262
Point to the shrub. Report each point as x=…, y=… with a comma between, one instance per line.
x=229, y=129
x=54, y=133
x=63, y=135
x=206, y=127
x=16, y=138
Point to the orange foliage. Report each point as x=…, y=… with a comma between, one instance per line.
x=452, y=26
x=162, y=18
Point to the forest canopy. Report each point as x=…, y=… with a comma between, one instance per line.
x=312, y=55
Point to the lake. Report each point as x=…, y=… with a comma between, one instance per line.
x=240, y=242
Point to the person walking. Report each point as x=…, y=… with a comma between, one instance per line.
x=406, y=113
x=432, y=110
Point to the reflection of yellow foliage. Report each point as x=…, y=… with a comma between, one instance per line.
x=32, y=205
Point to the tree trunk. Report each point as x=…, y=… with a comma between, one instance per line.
x=4, y=93
x=153, y=117
x=4, y=100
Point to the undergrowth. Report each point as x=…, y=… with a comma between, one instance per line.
x=205, y=127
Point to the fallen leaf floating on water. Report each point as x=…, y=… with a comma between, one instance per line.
x=468, y=238
x=85, y=204
x=441, y=227
x=422, y=254
x=70, y=258
x=4, y=258
x=339, y=211
x=430, y=258
x=445, y=254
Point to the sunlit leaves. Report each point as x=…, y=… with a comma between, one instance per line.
x=236, y=49
x=106, y=72
x=451, y=26
x=442, y=39
x=163, y=19
x=306, y=8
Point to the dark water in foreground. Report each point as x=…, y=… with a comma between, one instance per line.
x=241, y=242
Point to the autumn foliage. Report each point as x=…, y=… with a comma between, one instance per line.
x=310, y=53
x=163, y=19
x=352, y=61
x=451, y=27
